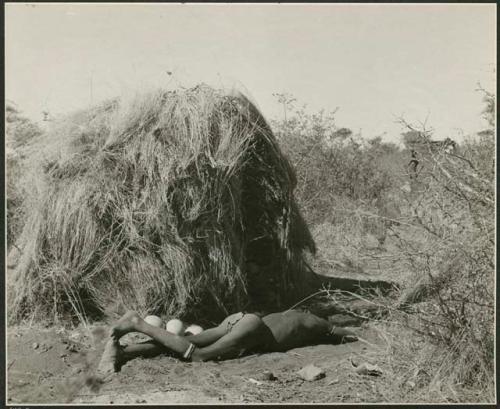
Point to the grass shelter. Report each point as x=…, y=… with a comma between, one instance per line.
x=178, y=203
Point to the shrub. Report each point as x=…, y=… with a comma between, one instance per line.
x=451, y=254
x=331, y=162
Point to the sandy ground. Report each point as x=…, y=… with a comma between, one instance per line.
x=58, y=366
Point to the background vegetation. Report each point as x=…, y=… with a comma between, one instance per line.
x=434, y=233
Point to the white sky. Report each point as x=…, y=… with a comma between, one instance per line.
x=373, y=61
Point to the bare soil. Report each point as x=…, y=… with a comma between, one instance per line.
x=58, y=366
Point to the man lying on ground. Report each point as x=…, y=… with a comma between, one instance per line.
x=238, y=334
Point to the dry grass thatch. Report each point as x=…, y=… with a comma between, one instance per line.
x=160, y=203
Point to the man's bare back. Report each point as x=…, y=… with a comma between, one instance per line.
x=293, y=329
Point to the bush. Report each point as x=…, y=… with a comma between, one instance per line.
x=451, y=255
x=442, y=248
x=331, y=162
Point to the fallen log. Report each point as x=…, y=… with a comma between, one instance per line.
x=353, y=284
x=326, y=306
x=324, y=303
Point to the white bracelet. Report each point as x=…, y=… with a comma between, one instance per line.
x=189, y=352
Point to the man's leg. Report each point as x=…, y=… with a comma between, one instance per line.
x=146, y=349
x=247, y=333
x=132, y=322
x=115, y=356
x=128, y=324
x=110, y=357
x=152, y=348
x=209, y=336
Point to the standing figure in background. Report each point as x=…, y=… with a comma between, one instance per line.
x=413, y=164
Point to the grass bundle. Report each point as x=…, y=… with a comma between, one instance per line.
x=160, y=203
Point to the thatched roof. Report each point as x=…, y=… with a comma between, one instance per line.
x=160, y=203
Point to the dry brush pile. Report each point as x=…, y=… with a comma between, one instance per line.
x=159, y=203
x=19, y=133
